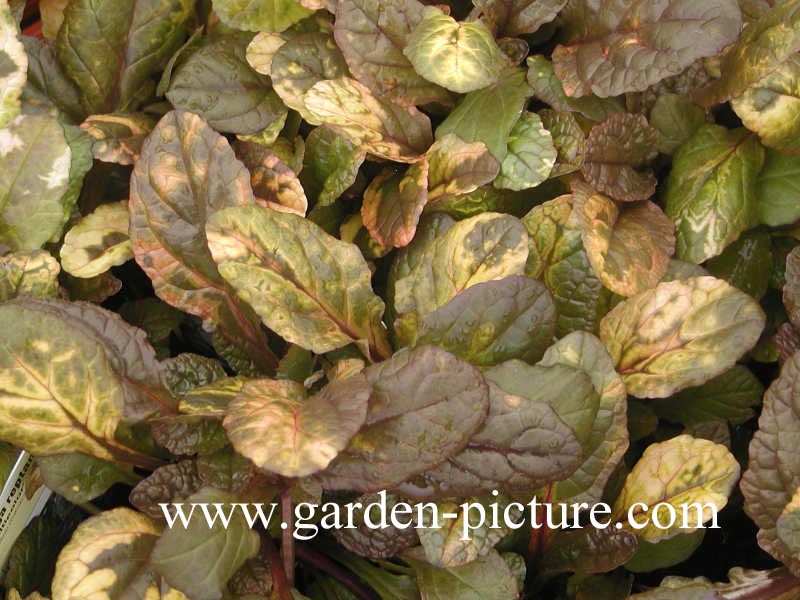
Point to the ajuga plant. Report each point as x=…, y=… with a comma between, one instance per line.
x=279, y=251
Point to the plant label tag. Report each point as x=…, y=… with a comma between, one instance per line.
x=23, y=497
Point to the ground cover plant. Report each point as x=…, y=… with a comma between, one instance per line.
x=307, y=251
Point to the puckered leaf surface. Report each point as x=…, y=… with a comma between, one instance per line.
x=110, y=48
x=616, y=151
x=680, y=334
x=711, y=190
x=186, y=173
x=70, y=372
x=307, y=286
x=681, y=471
x=627, y=47
x=773, y=475
x=426, y=393
x=378, y=126
x=372, y=35
x=273, y=423
x=628, y=246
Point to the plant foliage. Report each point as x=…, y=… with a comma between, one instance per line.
x=314, y=250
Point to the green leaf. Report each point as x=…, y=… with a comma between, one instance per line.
x=628, y=246
x=111, y=48
x=260, y=15
x=488, y=578
x=212, y=399
x=409, y=259
x=523, y=443
x=730, y=396
x=588, y=550
x=778, y=189
x=443, y=541
x=557, y=257
x=616, y=151
x=34, y=176
x=495, y=321
x=80, y=478
x=746, y=263
x=761, y=49
x=227, y=470
x=118, y=137
x=98, y=241
x=509, y=18
x=32, y=559
x=307, y=286
x=704, y=327
x=372, y=35
x=301, y=62
x=613, y=586
x=642, y=420
x=456, y=167
x=598, y=420
x=13, y=67
x=681, y=471
x=711, y=190
x=772, y=106
x=49, y=87
x=547, y=88
x=330, y=165
x=216, y=82
x=488, y=246
x=108, y=557
x=158, y=320
x=33, y=273
x=186, y=173
x=185, y=435
x=424, y=394
x=198, y=559
x=530, y=155
x=388, y=585
x=568, y=139
x=773, y=475
x=665, y=553
x=381, y=128
x=634, y=45
x=488, y=198
x=80, y=145
x=188, y=371
x=462, y=57
x=69, y=373
x=275, y=425
x=504, y=100
x=676, y=118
